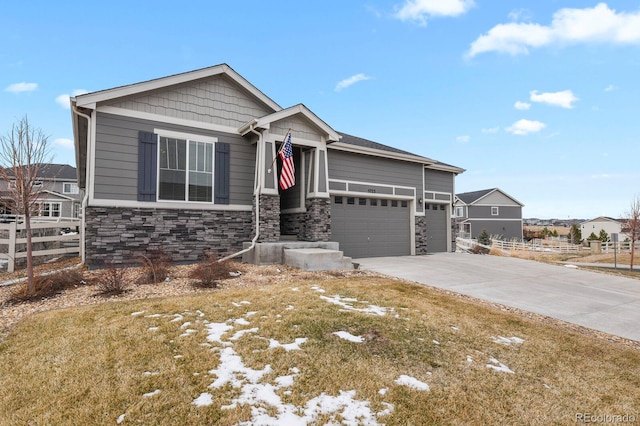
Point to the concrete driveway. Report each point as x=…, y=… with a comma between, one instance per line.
x=594, y=300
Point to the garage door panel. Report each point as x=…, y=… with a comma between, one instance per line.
x=366, y=230
x=437, y=226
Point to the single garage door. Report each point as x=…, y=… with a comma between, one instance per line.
x=371, y=227
x=436, y=215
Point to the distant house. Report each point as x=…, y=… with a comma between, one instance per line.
x=60, y=196
x=490, y=209
x=609, y=225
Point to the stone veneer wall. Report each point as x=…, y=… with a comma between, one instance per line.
x=117, y=235
x=269, y=218
x=421, y=235
x=317, y=220
x=292, y=224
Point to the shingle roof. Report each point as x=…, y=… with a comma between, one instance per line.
x=470, y=197
x=56, y=171
x=354, y=140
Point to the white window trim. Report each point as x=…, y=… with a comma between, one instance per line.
x=50, y=204
x=495, y=211
x=72, y=185
x=187, y=137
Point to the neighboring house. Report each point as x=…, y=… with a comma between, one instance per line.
x=59, y=197
x=184, y=162
x=610, y=226
x=492, y=210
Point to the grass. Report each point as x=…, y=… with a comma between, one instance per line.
x=90, y=365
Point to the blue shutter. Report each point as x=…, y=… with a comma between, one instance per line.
x=147, y=166
x=222, y=173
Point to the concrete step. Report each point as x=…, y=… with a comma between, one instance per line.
x=316, y=259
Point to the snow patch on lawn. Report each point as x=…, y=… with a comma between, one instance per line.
x=348, y=336
x=412, y=382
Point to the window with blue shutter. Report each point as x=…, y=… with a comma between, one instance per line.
x=147, y=166
x=222, y=173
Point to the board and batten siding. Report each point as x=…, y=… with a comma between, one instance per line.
x=116, y=158
x=438, y=181
x=370, y=169
x=214, y=100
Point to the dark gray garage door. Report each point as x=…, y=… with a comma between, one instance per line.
x=370, y=227
x=436, y=216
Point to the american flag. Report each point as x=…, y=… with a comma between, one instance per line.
x=288, y=173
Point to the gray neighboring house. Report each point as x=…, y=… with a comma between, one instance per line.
x=492, y=210
x=60, y=196
x=181, y=162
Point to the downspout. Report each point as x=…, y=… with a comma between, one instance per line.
x=86, y=195
x=257, y=195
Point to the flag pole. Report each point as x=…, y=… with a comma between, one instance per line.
x=279, y=150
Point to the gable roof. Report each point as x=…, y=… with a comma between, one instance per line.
x=475, y=196
x=89, y=100
x=365, y=146
x=602, y=219
x=300, y=109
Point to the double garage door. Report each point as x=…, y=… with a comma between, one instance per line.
x=371, y=227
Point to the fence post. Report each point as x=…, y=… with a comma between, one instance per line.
x=11, y=247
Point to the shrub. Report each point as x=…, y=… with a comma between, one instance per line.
x=156, y=264
x=484, y=238
x=48, y=285
x=209, y=271
x=111, y=280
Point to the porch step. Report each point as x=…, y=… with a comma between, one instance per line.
x=317, y=259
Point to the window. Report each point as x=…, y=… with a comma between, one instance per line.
x=338, y=200
x=351, y=200
x=77, y=208
x=186, y=170
x=362, y=201
x=384, y=203
x=494, y=211
x=459, y=211
x=442, y=207
x=70, y=188
x=404, y=203
x=374, y=202
x=394, y=203
x=49, y=209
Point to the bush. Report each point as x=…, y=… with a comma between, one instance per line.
x=111, y=280
x=156, y=266
x=484, y=238
x=209, y=271
x=48, y=285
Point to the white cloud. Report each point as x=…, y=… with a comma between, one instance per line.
x=63, y=142
x=610, y=88
x=568, y=26
x=351, y=80
x=491, y=130
x=21, y=87
x=520, y=15
x=418, y=10
x=522, y=106
x=564, y=99
x=463, y=139
x=63, y=100
x=524, y=127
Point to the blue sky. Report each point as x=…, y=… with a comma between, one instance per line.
x=540, y=99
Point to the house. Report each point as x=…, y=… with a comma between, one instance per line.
x=188, y=163
x=492, y=210
x=608, y=224
x=59, y=197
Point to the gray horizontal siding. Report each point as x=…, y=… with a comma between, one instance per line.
x=506, y=230
x=435, y=180
x=116, y=164
x=505, y=212
x=366, y=168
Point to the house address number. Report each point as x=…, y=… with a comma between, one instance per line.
x=371, y=191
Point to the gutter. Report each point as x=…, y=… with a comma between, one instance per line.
x=257, y=195
x=86, y=193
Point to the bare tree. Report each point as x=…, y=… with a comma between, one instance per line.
x=23, y=151
x=632, y=224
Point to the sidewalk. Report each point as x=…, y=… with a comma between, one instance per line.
x=620, y=266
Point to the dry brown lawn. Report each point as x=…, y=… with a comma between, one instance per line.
x=276, y=357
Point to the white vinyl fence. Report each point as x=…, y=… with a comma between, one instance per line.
x=49, y=232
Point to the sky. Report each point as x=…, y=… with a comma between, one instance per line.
x=540, y=99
